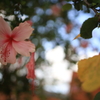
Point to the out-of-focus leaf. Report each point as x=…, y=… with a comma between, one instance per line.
x=88, y=26
x=67, y=7
x=97, y=97
x=67, y=0
x=89, y=73
x=78, y=4
x=89, y=1
x=93, y=5
x=96, y=1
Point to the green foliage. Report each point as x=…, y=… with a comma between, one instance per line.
x=78, y=5
x=97, y=97
x=88, y=26
x=90, y=1
x=94, y=3
x=67, y=7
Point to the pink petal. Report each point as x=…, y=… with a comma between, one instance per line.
x=30, y=22
x=4, y=29
x=30, y=67
x=2, y=42
x=22, y=32
x=7, y=54
x=24, y=47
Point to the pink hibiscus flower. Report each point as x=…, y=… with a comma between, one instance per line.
x=13, y=42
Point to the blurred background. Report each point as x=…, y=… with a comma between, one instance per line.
x=56, y=54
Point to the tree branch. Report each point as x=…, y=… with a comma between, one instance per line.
x=85, y=1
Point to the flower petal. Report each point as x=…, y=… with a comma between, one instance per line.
x=4, y=29
x=24, y=47
x=7, y=54
x=22, y=32
x=2, y=42
x=30, y=67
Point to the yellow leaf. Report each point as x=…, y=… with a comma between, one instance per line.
x=89, y=73
x=77, y=36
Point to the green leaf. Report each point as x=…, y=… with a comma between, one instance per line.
x=78, y=5
x=67, y=0
x=93, y=1
x=67, y=7
x=88, y=26
x=96, y=1
x=89, y=1
x=97, y=97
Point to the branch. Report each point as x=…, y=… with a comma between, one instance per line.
x=85, y=1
